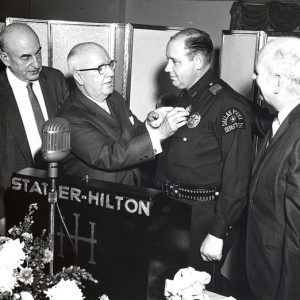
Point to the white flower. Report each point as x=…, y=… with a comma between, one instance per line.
x=26, y=296
x=26, y=275
x=8, y=280
x=48, y=256
x=16, y=296
x=12, y=254
x=65, y=289
x=27, y=236
x=104, y=297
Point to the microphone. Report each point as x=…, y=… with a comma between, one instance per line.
x=55, y=143
x=55, y=147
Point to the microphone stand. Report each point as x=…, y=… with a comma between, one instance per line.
x=52, y=199
x=55, y=147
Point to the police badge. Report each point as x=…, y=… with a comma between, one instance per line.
x=193, y=120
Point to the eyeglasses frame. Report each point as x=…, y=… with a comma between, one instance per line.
x=101, y=66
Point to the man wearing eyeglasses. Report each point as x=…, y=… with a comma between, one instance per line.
x=107, y=140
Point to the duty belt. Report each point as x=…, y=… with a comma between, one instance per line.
x=201, y=194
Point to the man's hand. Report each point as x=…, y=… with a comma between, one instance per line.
x=156, y=117
x=174, y=119
x=211, y=248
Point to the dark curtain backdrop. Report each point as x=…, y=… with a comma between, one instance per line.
x=275, y=16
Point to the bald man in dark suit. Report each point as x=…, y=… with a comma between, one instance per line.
x=273, y=243
x=20, y=141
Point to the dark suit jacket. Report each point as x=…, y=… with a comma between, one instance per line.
x=103, y=146
x=14, y=148
x=273, y=237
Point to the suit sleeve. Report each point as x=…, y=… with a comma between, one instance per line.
x=97, y=149
x=234, y=134
x=289, y=284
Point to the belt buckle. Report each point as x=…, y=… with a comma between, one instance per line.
x=171, y=189
x=175, y=190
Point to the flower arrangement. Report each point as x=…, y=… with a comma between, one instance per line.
x=23, y=267
x=188, y=284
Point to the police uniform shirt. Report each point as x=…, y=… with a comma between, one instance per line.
x=213, y=149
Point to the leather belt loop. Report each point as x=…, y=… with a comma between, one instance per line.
x=201, y=194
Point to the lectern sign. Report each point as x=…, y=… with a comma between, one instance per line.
x=106, y=224
x=86, y=196
x=120, y=233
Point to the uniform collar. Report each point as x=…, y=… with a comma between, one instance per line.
x=201, y=84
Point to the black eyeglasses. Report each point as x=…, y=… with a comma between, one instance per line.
x=102, y=68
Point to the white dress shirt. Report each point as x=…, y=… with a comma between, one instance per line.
x=21, y=95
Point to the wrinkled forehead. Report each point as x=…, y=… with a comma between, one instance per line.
x=22, y=43
x=95, y=57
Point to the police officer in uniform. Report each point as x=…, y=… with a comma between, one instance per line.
x=207, y=162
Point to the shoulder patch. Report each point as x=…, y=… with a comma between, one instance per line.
x=215, y=88
x=232, y=120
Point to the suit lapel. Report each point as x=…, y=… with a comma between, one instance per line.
x=99, y=117
x=13, y=117
x=48, y=95
x=122, y=118
x=264, y=152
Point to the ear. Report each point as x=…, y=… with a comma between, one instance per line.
x=78, y=78
x=278, y=83
x=4, y=58
x=198, y=60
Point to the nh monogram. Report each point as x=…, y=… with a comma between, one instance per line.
x=75, y=237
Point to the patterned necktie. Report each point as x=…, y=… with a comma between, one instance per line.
x=37, y=111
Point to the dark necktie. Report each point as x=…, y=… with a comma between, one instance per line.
x=270, y=136
x=37, y=111
x=273, y=129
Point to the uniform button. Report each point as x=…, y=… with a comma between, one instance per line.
x=184, y=139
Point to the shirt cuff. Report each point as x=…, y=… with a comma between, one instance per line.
x=155, y=139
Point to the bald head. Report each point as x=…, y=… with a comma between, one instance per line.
x=15, y=32
x=282, y=57
x=21, y=51
x=84, y=61
x=82, y=56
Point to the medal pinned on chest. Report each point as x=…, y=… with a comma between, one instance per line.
x=194, y=120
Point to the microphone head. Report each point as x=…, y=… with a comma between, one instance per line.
x=55, y=139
